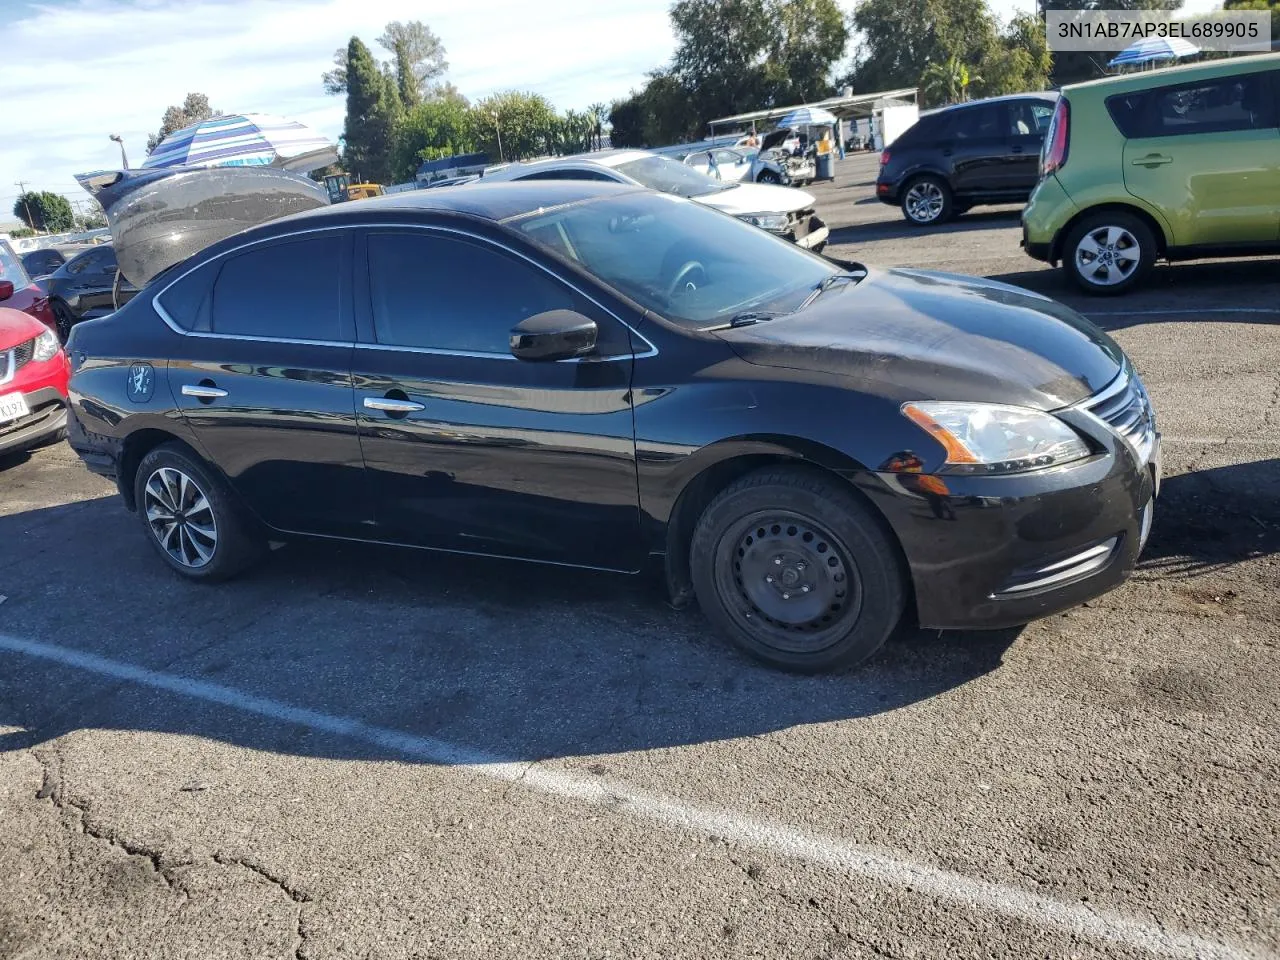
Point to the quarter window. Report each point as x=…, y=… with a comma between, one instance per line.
x=1221, y=105
x=288, y=290
x=441, y=292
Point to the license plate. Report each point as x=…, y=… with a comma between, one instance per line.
x=13, y=406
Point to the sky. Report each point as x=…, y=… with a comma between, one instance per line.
x=74, y=71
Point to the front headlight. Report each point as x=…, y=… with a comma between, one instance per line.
x=777, y=222
x=46, y=346
x=993, y=438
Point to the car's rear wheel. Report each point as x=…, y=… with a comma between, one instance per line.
x=1108, y=253
x=192, y=518
x=927, y=201
x=797, y=571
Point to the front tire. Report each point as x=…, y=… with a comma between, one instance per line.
x=1109, y=253
x=768, y=176
x=191, y=517
x=927, y=202
x=64, y=319
x=797, y=571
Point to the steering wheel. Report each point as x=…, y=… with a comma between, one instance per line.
x=683, y=282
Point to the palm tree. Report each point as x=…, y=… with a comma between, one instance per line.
x=596, y=114
x=948, y=81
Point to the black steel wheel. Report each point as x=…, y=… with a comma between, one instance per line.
x=797, y=570
x=64, y=318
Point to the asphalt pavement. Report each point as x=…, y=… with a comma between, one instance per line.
x=354, y=752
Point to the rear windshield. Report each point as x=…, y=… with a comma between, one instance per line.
x=11, y=268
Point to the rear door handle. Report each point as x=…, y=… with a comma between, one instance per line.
x=202, y=392
x=1152, y=160
x=389, y=405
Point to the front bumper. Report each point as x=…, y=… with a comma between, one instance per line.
x=996, y=552
x=815, y=238
x=48, y=415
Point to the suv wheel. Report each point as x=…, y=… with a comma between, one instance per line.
x=927, y=201
x=191, y=517
x=1109, y=252
x=797, y=571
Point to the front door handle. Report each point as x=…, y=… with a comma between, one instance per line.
x=392, y=405
x=202, y=391
x=1152, y=160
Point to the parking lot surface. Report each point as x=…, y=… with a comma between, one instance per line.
x=354, y=752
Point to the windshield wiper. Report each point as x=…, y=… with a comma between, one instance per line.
x=750, y=317
x=829, y=282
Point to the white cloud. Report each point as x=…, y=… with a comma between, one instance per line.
x=72, y=73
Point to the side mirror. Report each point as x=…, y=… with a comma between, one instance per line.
x=554, y=335
x=6, y=289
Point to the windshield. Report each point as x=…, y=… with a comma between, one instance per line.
x=668, y=176
x=682, y=260
x=11, y=268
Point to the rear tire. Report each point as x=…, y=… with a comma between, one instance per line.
x=797, y=571
x=927, y=201
x=191, y=517
x=1108, y=253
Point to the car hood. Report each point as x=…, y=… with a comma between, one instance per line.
x=757, y=198
x=160, y=216
x=923, y=335
x=17, y=327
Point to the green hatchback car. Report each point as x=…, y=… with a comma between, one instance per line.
x=1173, y=164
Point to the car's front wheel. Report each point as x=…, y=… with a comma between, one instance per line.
x=64, y=318
x=1108, y=253
x=191, y=517
x=927, y=201
x=794, y=568
x=768, y=176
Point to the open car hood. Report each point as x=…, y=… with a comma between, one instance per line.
x=775, y=138
x=162, y=216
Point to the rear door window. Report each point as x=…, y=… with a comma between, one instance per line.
x=287, y=290
x=987, y=122
x=1221, y=105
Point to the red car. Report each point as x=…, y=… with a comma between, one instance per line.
x=25, y=295
x=33, y=380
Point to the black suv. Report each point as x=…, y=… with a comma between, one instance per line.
x=986, y=151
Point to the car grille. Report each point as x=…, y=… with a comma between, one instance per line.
x=15, y=358
x=1125, y=407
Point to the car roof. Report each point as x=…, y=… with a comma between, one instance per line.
x=603, y=158
x=1179, y=74
x=496, y=201
x=1046, y=95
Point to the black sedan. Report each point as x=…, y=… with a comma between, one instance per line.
x=85, y=287
x=589, y=374
x=984, y=151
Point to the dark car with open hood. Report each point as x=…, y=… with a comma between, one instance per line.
x=594, y=375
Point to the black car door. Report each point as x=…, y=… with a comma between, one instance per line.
x=89, y=279
x=1028, y=119
x=979, y=144
x=264, y=378
x=468, y=448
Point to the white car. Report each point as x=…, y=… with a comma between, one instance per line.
x=784, y=211
x=722, y=163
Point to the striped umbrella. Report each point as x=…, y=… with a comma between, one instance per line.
x=244, y=140
x=807, y=117
x=1156, y=48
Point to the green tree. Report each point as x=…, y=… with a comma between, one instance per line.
x=719, y=55
x=193, y=109
x=626, y=121
x=417, y=59
x=946, y=82
x=596, y=114
x=1074, y=66
x=1021, y=61
x=515, y=125
x=45, y=211
x=1272, y=5
x=808, y=37
x=372, y=112
x=901, y=37
x=441, y=127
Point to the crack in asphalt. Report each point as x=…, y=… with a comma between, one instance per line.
x=52, y=788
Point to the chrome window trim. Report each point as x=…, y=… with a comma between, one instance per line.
x=156, y=305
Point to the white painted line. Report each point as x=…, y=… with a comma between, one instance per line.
x=1207, y=311
x=758, y=834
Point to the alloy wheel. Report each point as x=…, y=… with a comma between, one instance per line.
x=795, y=584
x=924, y=202
x=180, y=517
x=1107, y=256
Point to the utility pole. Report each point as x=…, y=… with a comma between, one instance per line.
x=116, y=138
x=22, y=186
